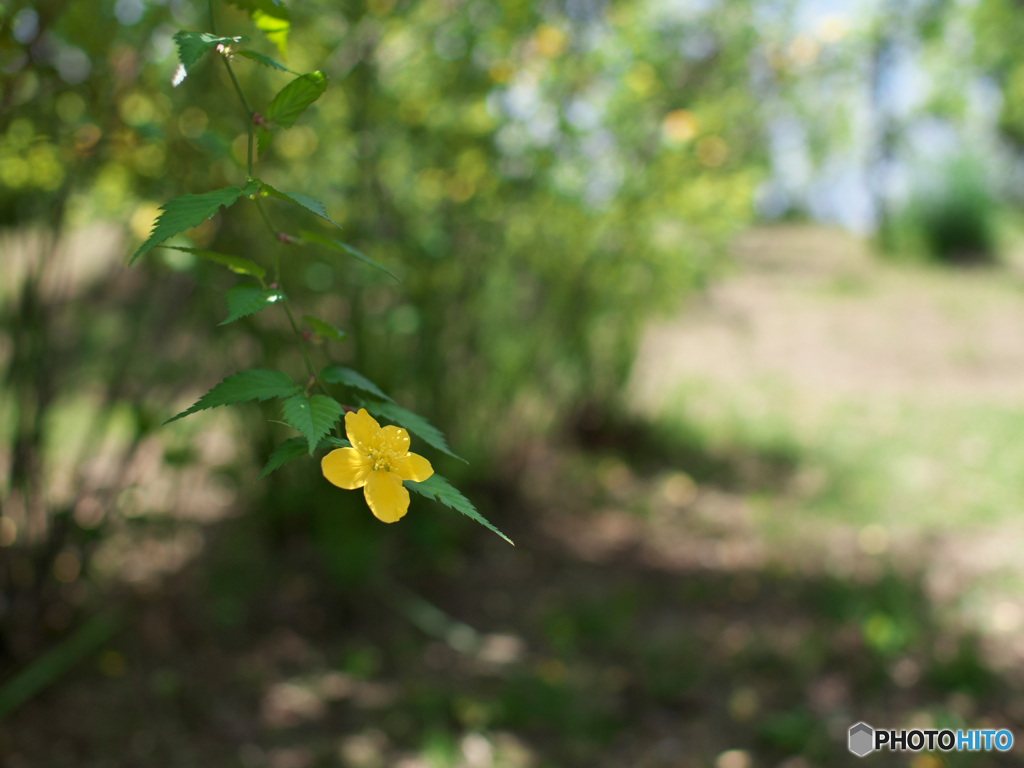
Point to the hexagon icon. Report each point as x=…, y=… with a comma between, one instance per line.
x=862, y=738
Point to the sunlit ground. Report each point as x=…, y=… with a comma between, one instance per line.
x=887, y=402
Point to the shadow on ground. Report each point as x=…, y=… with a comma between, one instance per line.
x=262, y=653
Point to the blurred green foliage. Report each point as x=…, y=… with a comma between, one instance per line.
x=997, y=22
x=950, y=218
x=538, y=179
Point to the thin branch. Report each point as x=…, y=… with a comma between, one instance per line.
x=238, y=90
x=248, y=154
x=266, y=219
x=302, y=347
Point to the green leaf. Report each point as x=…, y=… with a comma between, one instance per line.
x=275, y=28
x=237, y=264
x=252, y=187
x=184, y=212
x=337, y=245
x=412, y=422
x=326, y=330
x=310, y=204
x=266, y=61
x=271, y=18
x=272, y=7
x=437, y=488
x=290, y=449
x=337, y=374
x=263, y=139
x=333, y=442
x=245, y=300
x=256, y=384
x=192, y=46
x=295, y=97
x=293, y=448
x=312, y=416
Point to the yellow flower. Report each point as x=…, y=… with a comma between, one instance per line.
x=378, y=462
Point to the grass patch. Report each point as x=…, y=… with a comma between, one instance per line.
x=901, y=464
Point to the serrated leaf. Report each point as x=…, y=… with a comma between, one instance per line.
x=326, y=330
x=312, y=416
x=192, y=46
x=337, y=374
x=237, y=264
x=337, y=245
x=294, y=447
x=256, y=384
x=184, y=212
x=310, y=204
x=437, y=488
x=260, y=58
x=243, y=300
x=263, y=139
x=290, y=449
x=285, y=108
x=412, y=422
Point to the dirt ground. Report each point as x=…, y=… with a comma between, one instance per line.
x=815, y=308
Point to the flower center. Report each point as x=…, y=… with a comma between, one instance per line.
x=384, y=457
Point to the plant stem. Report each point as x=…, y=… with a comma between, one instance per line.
x=248, y=156
x=242, y=96
x=248, y=113
x=238, y=90
x=302, y=347
x=266, y=219
x=287, y=305
x=273, y=233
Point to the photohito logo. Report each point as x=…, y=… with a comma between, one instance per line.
x=861, y=739
x=864, y=739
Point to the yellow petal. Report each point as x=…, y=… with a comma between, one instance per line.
x=413, y=467
x=346, y=468
x=396, y=439
x=386, y=496
x=361, y=429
